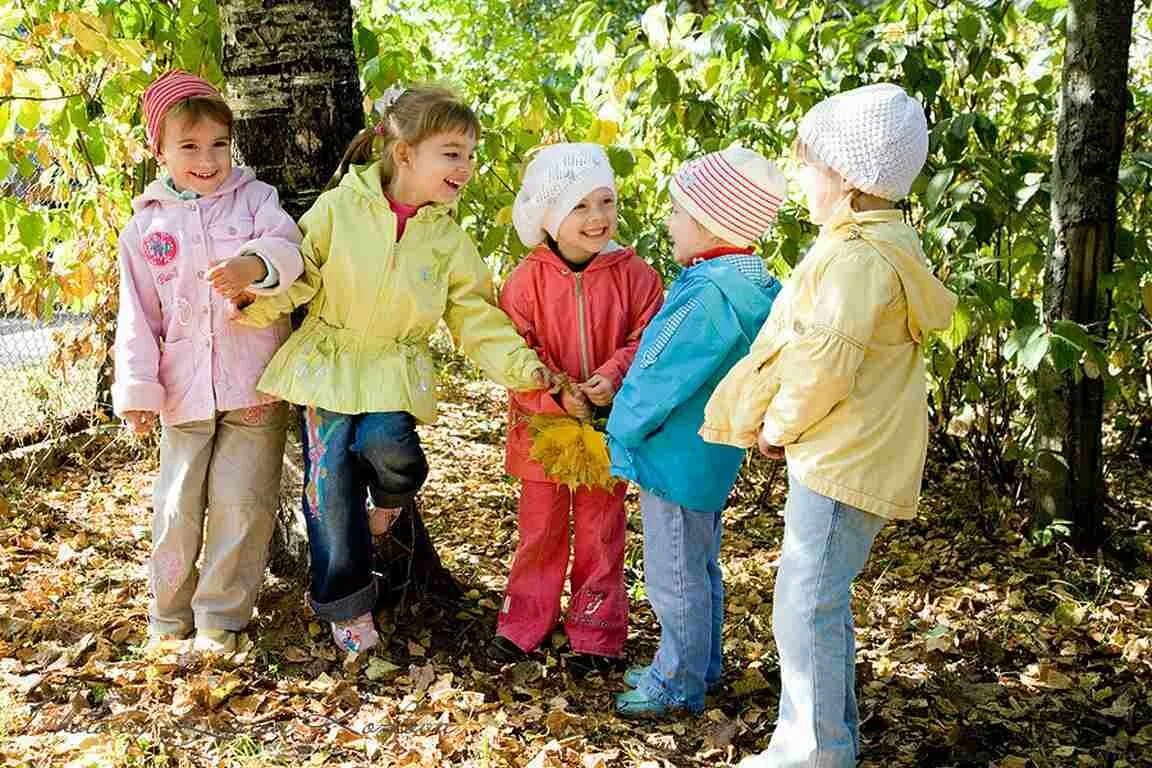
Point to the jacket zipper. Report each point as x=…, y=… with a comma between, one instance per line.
x=584, y=367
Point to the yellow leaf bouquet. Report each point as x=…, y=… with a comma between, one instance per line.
x=572, y=452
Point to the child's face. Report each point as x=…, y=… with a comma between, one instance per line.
x=589, y=227
x=824, y=189
x=436, y=169
x=197, y=153
x=688, y=237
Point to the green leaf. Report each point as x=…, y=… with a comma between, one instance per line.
x=667, y=85
x=31, y=227
x=961, y=326
x=968, y=27
x=1027, y=346
x=937, y=187
x=1078, y=337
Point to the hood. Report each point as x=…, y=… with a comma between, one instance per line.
x=612, y=254
x=930, y=303
x=158, y=191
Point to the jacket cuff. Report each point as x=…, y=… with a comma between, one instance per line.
x=137, y=396
x=727, y=437
x=281, y=258
x=610, y=372
x=271, y=280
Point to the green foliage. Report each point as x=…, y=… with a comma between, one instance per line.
x=656, y=85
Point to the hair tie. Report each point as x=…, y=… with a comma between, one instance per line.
x=387, y=99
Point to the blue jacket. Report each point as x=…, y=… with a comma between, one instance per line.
x=709, y=319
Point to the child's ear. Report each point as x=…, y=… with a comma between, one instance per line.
x=401, y=153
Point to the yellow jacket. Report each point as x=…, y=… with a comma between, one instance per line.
x=836, y=375
x=374, y=303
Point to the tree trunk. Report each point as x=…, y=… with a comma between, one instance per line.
x=1069, y=477
x=293, y=85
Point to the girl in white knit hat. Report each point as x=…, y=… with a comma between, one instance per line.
x=581, y=301
x=835, y=382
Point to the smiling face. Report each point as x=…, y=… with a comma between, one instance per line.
x=197, y=151
x=589, y=226
x=433, y=170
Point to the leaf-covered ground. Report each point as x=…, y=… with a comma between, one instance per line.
x=974, y=649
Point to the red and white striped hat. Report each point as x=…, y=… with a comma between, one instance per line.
x=166, y=91
x=734, y=194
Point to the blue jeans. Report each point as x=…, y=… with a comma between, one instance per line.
x=351, y=462
x=684, y=584
x=826, y=544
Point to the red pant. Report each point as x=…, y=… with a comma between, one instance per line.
x=597, y=620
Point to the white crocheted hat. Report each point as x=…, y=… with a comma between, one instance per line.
x=558, y=177
x=734, y=194
x=876, y=137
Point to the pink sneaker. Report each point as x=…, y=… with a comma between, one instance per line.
x=356, y=635
x=381, y=519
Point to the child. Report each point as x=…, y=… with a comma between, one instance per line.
x=385, y=262
x=836, y=381
x=581, y=301
x=722, y=204
x=199, y=237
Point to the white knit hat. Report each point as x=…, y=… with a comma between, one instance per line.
x=734, y=194
x=876, y=137
x=558, y=178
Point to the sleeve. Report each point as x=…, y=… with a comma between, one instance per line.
x=646, y=302
x=139, y=328
x=481, y=330
x=682, y=355
x=276, y=240
x=317, y=227
x=515, y=300
x=817, y=367
x=271, y=277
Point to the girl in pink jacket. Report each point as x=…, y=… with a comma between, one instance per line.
x=201, y=237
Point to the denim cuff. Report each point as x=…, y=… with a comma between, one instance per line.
x=358, y=603
x=381, y=498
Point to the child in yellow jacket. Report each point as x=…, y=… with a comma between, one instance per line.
x=384, y=262
x=836, y=382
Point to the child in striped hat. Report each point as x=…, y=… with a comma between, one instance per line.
x=201, y=235
x=722, y=204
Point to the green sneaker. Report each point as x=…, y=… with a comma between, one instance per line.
x=634, y=675
x=637, y=704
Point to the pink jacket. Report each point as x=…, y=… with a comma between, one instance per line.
x=579, y=323
x=177, y=351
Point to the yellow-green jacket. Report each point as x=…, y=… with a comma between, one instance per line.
x=836, y=375
x=374, y=303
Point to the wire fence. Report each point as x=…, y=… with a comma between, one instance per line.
x=34, y=391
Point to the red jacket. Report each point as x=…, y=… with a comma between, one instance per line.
x=579, y=323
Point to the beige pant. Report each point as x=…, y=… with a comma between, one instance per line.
x=215, y=502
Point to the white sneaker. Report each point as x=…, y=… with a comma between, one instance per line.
x=218, y=641
x=755, y=761
x=356, y=635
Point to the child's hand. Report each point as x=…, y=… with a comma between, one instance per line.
x=575, y=404
x=546, y=379
x=598, y=389
x=233, y=276
x=769, y=450
x=140, y=422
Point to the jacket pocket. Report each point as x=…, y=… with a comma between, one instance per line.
x=177, y=371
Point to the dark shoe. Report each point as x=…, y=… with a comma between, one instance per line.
x=503, y=651
x=584, y=664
